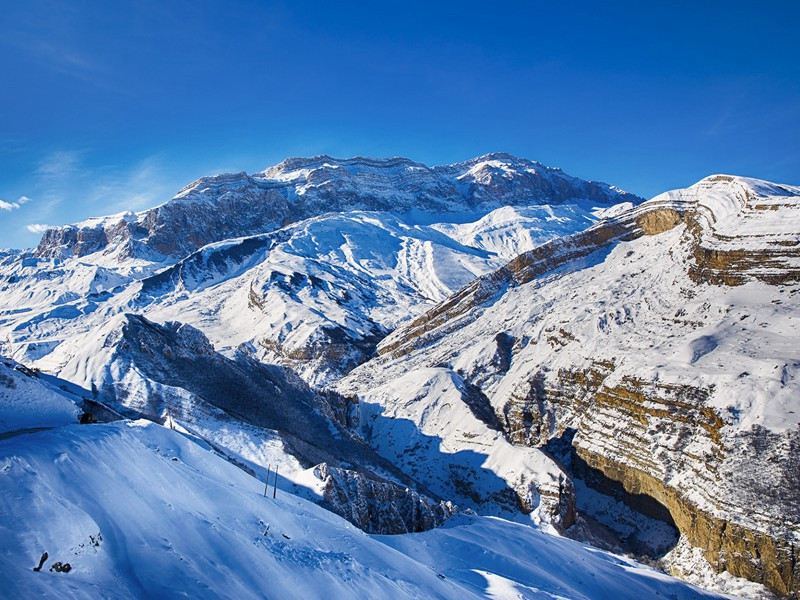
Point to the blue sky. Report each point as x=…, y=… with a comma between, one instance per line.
x=109, y=106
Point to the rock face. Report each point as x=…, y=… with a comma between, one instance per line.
x=235, y=205
x=380, y=507
x=661, y=344
x=442, y=431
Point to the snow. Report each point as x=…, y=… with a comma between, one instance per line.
x=496, y=558
x=362, y=272
x=138, y=510
x=512, y=230
x=93, y=222
x=26, y=402
x=172, y=517
x=355, y=273
x=743, y=213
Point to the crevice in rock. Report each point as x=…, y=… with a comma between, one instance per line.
x=613, y=518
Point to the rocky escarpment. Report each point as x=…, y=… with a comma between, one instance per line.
x=673, y=375
x=742, y=233
x=380, y=506
x=235, y=205
x=734, y=496
x=650, y=219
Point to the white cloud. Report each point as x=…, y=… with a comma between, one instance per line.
x=36, y=227
x=9, y=206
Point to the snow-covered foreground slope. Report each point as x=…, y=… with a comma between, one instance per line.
x=138, y=510
x=358, y=463
x=257, y=415
x=655, y=352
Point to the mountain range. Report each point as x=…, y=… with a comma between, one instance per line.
x=485, y=349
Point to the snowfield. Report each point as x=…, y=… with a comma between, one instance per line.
x=140, y=511
x=25, y=403
x=342, y=279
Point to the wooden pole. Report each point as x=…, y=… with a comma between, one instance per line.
x=275, y=486
x=266, y=482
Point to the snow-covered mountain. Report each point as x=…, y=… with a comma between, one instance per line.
x=655, y=354
x=234, y=205
x=408, y=342
x=316, y=295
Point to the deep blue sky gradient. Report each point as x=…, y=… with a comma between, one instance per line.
x=108, y=106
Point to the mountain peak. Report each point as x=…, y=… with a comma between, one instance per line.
x=501, y=157
x=298, y=166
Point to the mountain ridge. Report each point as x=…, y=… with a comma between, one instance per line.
x=534, y=350
x=299, y=188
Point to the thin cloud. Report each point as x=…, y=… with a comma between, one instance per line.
x=61, y=57
x=23, y=200
x=37, y=227
x=59, y=165
x=66, y=180
x=143, y=186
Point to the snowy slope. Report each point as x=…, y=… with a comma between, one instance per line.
x=139, y=511
x=257, y=415
x=27, y=402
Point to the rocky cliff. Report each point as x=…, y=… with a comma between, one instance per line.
x=659, y=345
